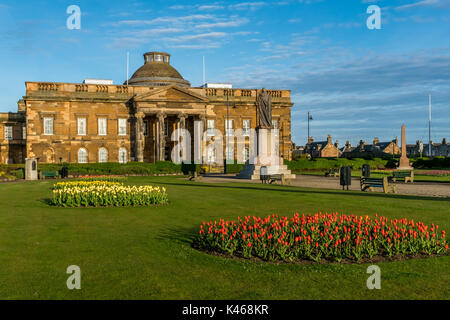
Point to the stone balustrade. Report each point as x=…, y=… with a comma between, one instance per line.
x=52, y=87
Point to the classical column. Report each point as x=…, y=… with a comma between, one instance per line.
x=140, y=136
x=199, y=128
x=182, y=120
x=161, y=147
x=181, y=125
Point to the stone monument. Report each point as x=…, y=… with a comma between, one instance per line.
x=404, y=161
x=31, y=172
x=267, y=153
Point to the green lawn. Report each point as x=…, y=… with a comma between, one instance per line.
x=146, y=253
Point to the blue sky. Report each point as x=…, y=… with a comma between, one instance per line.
x=357, y=83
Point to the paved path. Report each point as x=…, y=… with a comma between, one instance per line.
x=425, y=189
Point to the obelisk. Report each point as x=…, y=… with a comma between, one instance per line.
x=404, y=161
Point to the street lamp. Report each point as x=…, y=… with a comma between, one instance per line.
x=310, y=118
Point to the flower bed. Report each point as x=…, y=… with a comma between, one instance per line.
x=114, y=178
x=439, y=173
x=84, y=184
x=313, y=237
x=106, y=193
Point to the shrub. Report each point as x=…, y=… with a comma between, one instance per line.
x=323, y=164
x=431, y=163
x=313, y=237
x=110, y=168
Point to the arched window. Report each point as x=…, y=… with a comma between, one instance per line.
x=122, y=155
x=102, y=155
x=82, y=155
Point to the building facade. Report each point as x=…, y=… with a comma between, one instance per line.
x=422, y=149
x=323, y=149
x=88, y=122
x=376, y=149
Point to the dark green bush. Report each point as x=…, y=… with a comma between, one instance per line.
x=323, y=164
x=431, y=163
x=110, y=168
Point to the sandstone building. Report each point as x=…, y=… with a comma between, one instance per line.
x=85, y=123
x=323, y=149
x=376, y=149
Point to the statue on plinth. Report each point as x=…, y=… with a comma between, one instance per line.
x=264, y=104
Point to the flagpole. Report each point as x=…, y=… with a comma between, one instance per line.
x=429, y=125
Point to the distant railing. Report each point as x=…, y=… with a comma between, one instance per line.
x=246, y=93
x=122, y=89
x=42, y=86
x=81, y=88
x=211, y=92
x=101, y=88
x=275, y=93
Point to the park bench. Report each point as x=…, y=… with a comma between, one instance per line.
x=193, y=175
x=279, y=177
x=49, y=174
x=408, y=176
x=385, y=183
x=333, y=172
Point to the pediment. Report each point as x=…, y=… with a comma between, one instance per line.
x=171, y=93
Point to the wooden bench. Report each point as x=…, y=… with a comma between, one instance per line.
x=194, y=176
x=49, y=174
x=279, y=177
x=370, y=183
x=408, y=176
x=333, y=172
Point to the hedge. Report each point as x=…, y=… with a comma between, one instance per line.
x=322, y=164
x=431, y=163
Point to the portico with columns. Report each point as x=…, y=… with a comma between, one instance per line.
x=161, y=112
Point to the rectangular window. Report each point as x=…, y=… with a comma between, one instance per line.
x=166, y=127
x=145, y=128
x=275, y=126
x=8, y=133
x=229, y=153
x=211, y=128
x=246, y=128
x=48, y=126
x=24, y=133
x=246, y=154
x=102, y=129
x=229, y=127
x=81, y=126
x=122, y=127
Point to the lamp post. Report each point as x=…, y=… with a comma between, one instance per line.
x=309, y=119
x=429, y=127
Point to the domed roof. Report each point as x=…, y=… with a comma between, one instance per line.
x=157, y=71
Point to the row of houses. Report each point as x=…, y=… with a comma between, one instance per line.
x=328, y=149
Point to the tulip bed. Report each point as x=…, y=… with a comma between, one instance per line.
x=113, y=178
x=321, y=236
x=84, y=184
x=106, y=193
